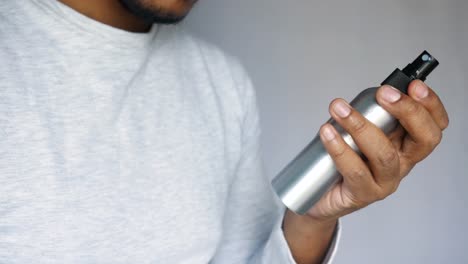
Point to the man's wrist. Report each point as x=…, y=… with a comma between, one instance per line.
x=308, y=238
x=305, y=224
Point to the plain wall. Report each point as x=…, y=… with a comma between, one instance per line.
x=302, y=54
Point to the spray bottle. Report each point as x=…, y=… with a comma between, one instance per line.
x=308, y=176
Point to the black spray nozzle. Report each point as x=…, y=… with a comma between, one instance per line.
x=419, y=69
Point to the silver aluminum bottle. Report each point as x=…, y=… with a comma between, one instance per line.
x=311, y=174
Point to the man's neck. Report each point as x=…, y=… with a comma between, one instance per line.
x=110, y=12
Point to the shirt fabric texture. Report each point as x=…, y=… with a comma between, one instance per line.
x=121, y=147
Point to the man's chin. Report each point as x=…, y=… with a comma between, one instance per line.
x=168, y=20
x=152, y=12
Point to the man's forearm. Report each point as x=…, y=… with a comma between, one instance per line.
x=308, y=239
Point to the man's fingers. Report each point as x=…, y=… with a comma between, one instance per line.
x=420, y=92
x=372, y=142
x=424, y=133
x=356, y=174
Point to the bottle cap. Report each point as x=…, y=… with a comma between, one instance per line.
x=419, y=69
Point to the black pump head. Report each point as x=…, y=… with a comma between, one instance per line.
x=419, y=69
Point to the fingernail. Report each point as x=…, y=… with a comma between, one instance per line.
x=421, y=91
x=327, y=133
x=341, y=109
x=390, y=94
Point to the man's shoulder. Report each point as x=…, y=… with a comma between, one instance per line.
x=218, y=61
x=188, y=39
x=225, y=71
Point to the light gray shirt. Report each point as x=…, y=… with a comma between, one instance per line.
x=120, y=147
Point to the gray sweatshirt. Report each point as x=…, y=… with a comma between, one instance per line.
x=120, y=147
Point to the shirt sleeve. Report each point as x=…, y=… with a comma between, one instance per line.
x=252, y=231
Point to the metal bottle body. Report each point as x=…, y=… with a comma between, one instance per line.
x=307, y=177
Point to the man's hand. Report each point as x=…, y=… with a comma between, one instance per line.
x=422, y=118
x=389, y=159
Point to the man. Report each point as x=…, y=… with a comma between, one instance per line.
x=126, y=140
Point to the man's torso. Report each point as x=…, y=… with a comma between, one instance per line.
x=109, y=151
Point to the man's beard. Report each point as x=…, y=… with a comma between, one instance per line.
x=152, y=14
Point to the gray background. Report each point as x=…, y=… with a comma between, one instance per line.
x=302, y=54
